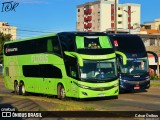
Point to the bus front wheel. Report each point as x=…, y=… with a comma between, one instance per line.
x=22, y=90
x=61, y=92
x=16, y=88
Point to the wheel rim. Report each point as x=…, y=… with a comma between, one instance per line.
x=23, y=89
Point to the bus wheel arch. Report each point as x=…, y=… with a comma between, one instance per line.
x=16, y=87
x=61, y=94
x=22, y=90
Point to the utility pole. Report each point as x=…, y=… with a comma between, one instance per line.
x=128, y=15
x=158, y=57
x=115, y=20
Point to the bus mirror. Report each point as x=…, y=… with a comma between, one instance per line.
x=124, y=57
x=154, y=54
x=80, y=60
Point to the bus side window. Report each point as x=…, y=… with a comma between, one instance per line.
x=55, y=45
x=49, y=46
x=73, y=72
x=7, y=71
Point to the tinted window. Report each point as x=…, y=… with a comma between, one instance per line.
x=48, y=44
x=43, y=71
x=53, y=45
x=129, y=44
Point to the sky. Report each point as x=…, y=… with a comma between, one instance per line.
x=39, y=17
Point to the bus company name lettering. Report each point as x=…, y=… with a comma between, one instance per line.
x=11, y=50
x=39, y=58
x=97, y=57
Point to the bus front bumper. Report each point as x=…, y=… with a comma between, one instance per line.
x=134, y=85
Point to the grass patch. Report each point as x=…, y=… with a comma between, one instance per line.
x=155, y=83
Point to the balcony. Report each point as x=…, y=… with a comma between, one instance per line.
x=129, y=19
x=129, y=11
x=89, y=25
x=89, y=30
x=112, y=18
x=89, y=18
x=87, y=11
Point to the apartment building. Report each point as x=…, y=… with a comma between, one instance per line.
x=100, y=16
x=152, y=27
x=7, y=29
x=155, y=25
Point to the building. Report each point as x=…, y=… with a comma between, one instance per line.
x=152, y=27
x=100, y=16
x=7, y=29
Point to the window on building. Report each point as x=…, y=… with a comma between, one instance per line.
x=119, y=22
x=87, y=6
x=129, y=7
x=112, y=6
x=119, y=15
x=152, y=42
x=98, y=5
x=78, y=10
x=147, y=26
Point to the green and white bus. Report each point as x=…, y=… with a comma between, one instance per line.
x=66, y=64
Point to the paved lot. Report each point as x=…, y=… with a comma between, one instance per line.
x=146, y=100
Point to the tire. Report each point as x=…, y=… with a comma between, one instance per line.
x=22, y=90
x=61, y=92
x=115, y=97
x=16, y=88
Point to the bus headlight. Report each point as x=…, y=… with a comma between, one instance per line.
x=82, y=86
x=147, y=79
x=123, y=80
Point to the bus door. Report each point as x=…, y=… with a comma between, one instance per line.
x=50, y=75
x=7, y=77
x=72, y=72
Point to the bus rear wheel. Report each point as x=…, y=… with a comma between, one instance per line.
x=61, y=92
x=16, y=88
x=22, y=90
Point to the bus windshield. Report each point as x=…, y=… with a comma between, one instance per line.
x=135, y=66
x=98, y=70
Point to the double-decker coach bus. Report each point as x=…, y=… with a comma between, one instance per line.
x=132, y=61
x=66, y=64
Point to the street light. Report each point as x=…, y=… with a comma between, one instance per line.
x=128, y=15
x=115, y=20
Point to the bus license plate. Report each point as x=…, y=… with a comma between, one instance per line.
x=101, y=95
x=136, y=87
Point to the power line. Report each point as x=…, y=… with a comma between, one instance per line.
x=33, y=31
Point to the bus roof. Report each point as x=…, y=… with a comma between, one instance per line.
x=128, y=43
x=37, y=37
x=60, y=33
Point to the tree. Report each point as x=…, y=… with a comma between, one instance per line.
x=3, y=38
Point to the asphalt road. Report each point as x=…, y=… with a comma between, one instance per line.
x=145, y=100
